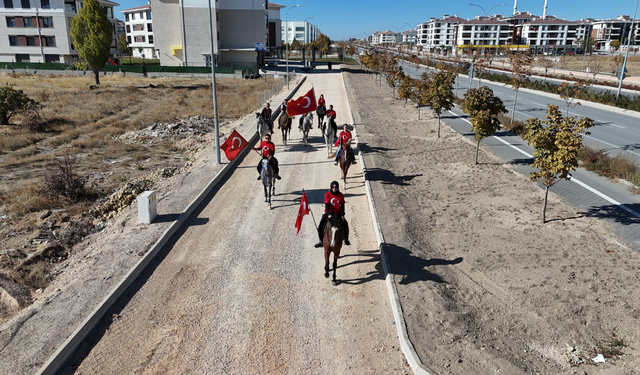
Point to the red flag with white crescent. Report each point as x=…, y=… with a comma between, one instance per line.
x=305, y=103
x=233, y=145
x=303, y=210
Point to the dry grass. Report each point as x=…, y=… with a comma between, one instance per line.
x=575, y=63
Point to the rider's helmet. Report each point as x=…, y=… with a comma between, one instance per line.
x=336, y=185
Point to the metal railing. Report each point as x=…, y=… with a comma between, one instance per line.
x=273, y=90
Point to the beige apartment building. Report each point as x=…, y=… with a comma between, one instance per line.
x=241, y=31
x=38, y=30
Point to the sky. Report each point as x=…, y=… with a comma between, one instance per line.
x=344, y=19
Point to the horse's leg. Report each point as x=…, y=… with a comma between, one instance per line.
x=327, y=254
x=336, y=254
x=265, y=189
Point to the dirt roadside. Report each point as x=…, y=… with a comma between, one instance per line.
x=485, y=287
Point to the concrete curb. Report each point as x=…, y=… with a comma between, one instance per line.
x=54, y=363
x=403, y=337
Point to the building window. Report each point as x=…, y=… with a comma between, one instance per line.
x=266, y=21
x=149, y=27
x=13, y=40
x=28, y=22
x=22, y=57
x=47, y=22
x=44, y=4
x=141, y=15
x=31, y=41
x=25, y=4
x=8, y=3
x=150, y=38
x=128, y=40
x=128, y=28
x=148, y=14
x=126, y=18
x=50, y=41
x=11, y=22
x=298, y=28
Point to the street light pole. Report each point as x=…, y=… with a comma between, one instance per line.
x=213, y=89
x=626, y=55
x=304, y=47
x=485, y=14
x=286, y=38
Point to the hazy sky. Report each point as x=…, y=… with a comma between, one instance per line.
x=344, y=19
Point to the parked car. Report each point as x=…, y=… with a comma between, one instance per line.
x=464, y=64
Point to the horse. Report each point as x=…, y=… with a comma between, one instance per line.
x=321, y=111
x=261, y=125
x=268, y=180
x=329, y=135
x=285, y=125
x=307, y=124
x=332, y=241
x=346, y=157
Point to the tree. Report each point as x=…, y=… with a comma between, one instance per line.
x=570, y=93
x=615, y=44
x=484, y=108
x=295, y=45
x=586, y=44
x=481, y=66
x=12, y=102
x=439, y=93
x=92, y=34
x=323, y=44
x=521, y=66
x=545, y=64
x=406, y=89
x=596, y=65
x=123, y=46
x=616, y=64
x=556, y=142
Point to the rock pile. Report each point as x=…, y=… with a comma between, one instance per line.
x=128, y=194
x=195, y=126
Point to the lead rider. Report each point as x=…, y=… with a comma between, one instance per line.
x=333, y=205
x=268, y=150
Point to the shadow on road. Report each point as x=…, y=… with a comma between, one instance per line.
x=616, y=213
x=413, y=268
x=370, y=256
x=388, y=177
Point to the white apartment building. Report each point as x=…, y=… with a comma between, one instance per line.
x=181, y=33
x=606, y=31
x=410, y=37
x=303, y=31
x=551, y=35
x=139, y=28
x=38, y=30
x=439, y=34
x=385, y=38
x=490, y=32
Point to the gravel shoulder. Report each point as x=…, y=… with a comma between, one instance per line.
x=485, y=287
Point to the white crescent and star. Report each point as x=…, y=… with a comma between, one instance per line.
x=308, y=102
x=332, y=201
x=233, y=143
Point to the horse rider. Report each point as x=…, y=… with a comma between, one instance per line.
x=344, y=137
x=321, y=101
x=283, y=109
x=331, y=114
x=266, y=115
x=268, y=150
x=333, y=205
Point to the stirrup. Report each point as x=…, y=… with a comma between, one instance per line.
x=347, y=242
x=319, y=244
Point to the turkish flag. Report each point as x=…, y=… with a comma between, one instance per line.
x=233, y=145
x=303, y=104
x=303, y=210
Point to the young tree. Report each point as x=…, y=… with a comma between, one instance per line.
x=521, y=66
x=544, y=63
x=596, y=65
x=323, y=44
x=616, y=63
x=123, y=46
x=615, y=44
x=586, y=44
x=406, y=89
x=556, y=142
x=481, y=66
x=439, y=93
x=484, y=108
x=92, y=34
x=12, y=102
x=570, y=93
x=295, y=45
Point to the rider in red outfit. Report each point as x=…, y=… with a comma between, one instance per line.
x=331, y=114
x=268, y=150
x=321, y=100
x=333, y=205
x=344, y=137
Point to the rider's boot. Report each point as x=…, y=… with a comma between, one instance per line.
x=278, y=177
x=259, y=178
x=347, y=242
x=319, y=244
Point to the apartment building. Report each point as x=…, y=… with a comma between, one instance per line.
x=552, y=36
x=439, y=34
x=606, y=31
x=274, y=35
x=38, y=30
x=139, y=29
x=304, y=32
x=410, y=37
x=487, y=33
x=240, y=31
x=385, y=38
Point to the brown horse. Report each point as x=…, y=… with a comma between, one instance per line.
x=285, y=125
x=332, y=240
x=346, y=157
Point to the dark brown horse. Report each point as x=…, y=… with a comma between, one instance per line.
x=346, y=157
x=285, y=125
x=332, y=240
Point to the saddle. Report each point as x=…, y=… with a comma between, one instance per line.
x=321, y=110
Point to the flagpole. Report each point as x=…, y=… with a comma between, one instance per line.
x=313, y=217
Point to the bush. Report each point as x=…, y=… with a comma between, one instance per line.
x=63, y=181
x=32, y=121
x=75, y=232
x=13, y=102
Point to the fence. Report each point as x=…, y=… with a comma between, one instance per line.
x=264, y=96
x=130, y=68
